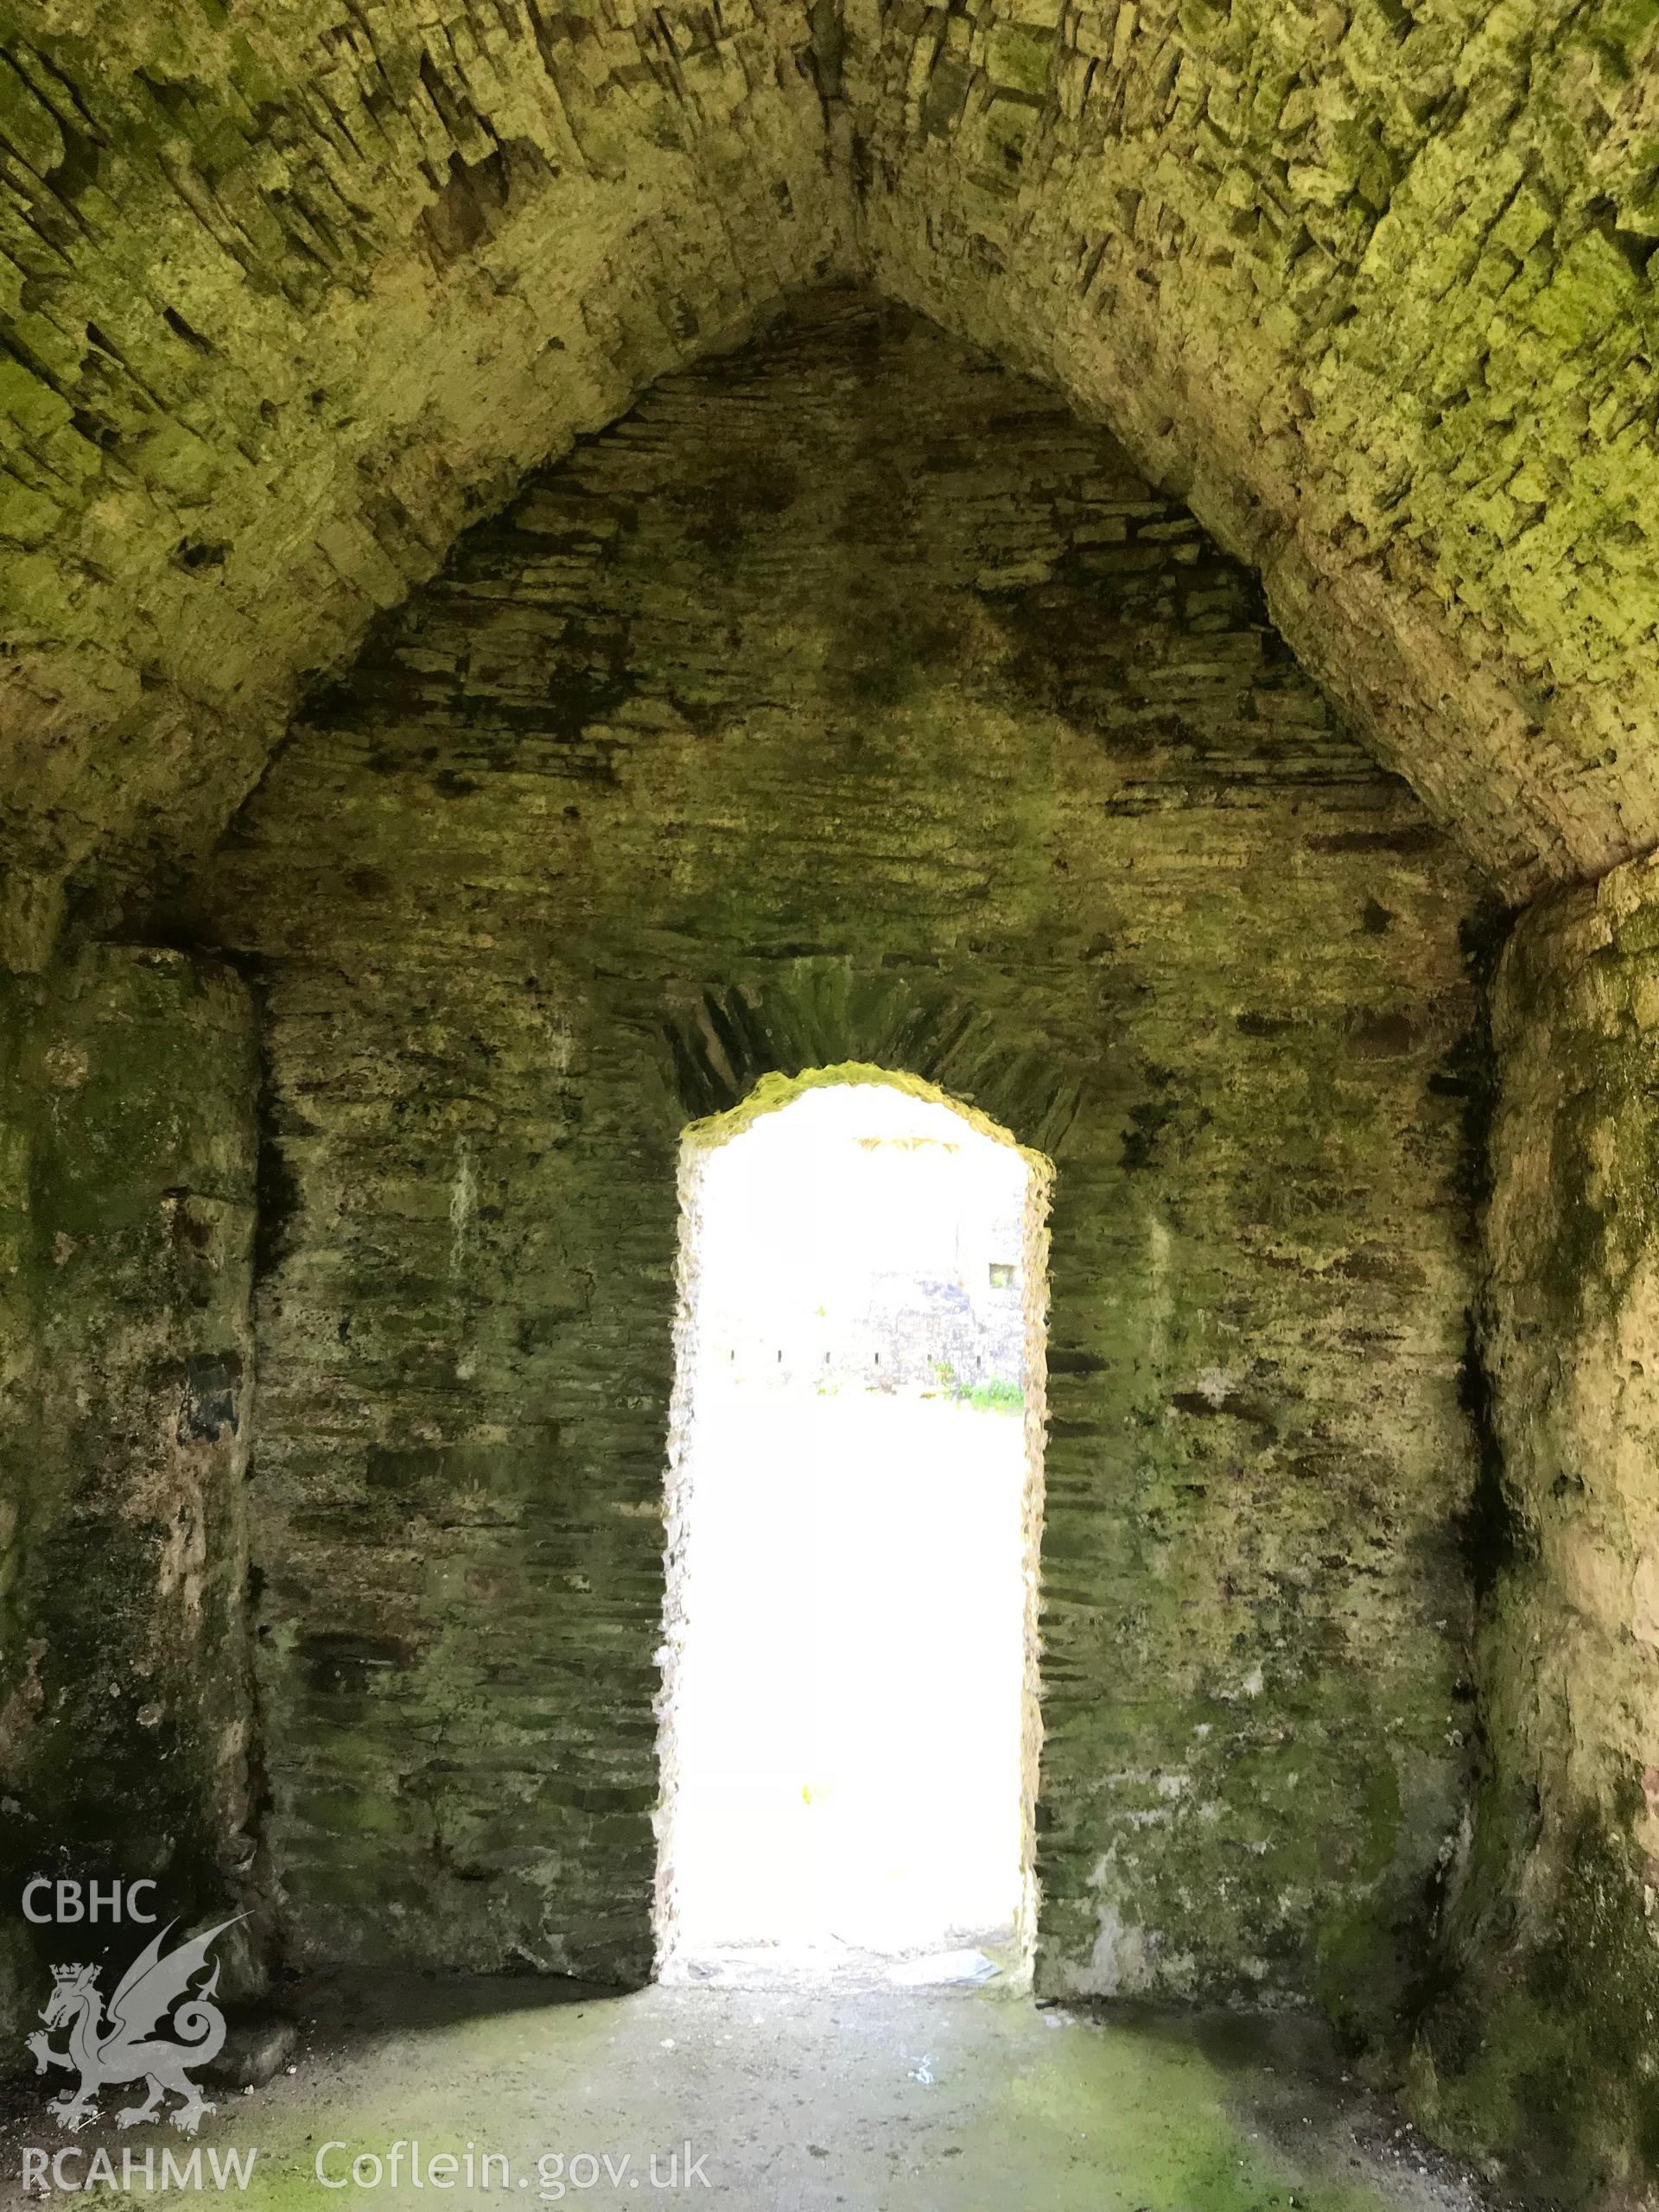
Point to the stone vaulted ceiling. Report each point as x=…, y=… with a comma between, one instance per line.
x=289, y=290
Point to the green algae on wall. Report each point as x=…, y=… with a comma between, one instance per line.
x=1375, y=288
x=851, y=700
x=1548, y=2044
x=292, y=291
x=128, y=1085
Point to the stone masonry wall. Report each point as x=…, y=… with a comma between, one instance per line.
x=851, y=700
x=288, y=293
x=1373, y=285
x=1550, y=2042
x=128, y=1083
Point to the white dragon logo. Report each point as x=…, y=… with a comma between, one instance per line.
x=124, y=2047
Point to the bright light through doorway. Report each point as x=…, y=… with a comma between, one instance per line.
x=849, y=1704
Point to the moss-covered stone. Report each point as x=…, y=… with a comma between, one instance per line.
x=291, y=291
x=127, y=1088
x=1546, y=2045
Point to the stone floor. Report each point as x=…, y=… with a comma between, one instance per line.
x=873, y=2098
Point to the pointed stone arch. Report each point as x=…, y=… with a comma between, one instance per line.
x=1375, y=295
x=319, y=285
x=304, y=293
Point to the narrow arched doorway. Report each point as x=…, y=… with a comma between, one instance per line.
x=850, y=1718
